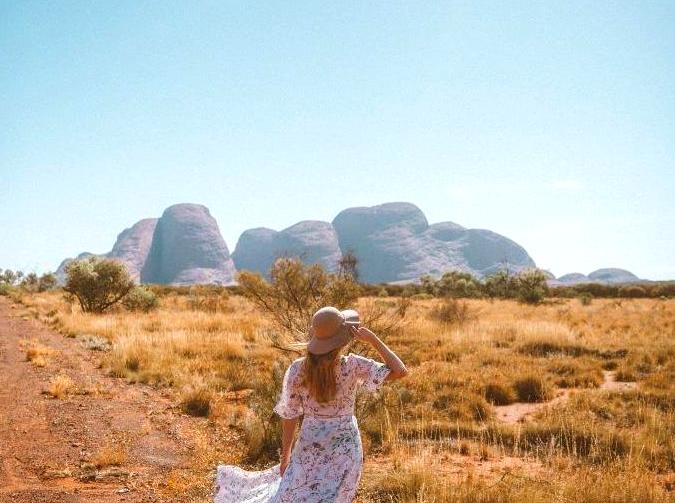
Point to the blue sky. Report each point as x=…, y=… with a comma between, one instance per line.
x=552, y=123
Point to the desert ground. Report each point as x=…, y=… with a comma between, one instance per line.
x=505, y=402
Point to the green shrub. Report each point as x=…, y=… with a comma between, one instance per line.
x=97, y=283
x=46, y=282
x=140, y=299
x=532, y=287
x=5, y=289
x=502, y=285
x=457, y=284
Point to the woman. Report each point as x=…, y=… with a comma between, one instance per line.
x=324, y=464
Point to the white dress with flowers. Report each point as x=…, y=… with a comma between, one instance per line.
x=327, y=458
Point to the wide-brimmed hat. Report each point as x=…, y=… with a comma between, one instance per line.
x=335, y=336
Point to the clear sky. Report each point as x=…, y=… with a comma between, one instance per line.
x=552, y=123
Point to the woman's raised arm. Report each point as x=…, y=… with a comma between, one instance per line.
x=391, y=360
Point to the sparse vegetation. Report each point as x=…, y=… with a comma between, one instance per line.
x=222, y=365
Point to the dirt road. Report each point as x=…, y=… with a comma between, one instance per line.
x=47, y=445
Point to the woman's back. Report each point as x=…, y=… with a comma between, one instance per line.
x=353, y=371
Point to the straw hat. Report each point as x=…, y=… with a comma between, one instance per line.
x=330, y=329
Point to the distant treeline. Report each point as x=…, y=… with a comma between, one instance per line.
x=464, y=285
x=485, y=289
x=529, y=286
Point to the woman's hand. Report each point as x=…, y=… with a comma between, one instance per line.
x=363, y=334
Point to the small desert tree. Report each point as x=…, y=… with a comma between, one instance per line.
x=46, y=282
x=30, y=282
x=348, y=265
x=8, y=277
x=295, y=291
x=501, y=284
x=532, y=287
x=458, y=284
x=97, y=283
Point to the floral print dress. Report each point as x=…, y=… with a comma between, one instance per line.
x=327, y=458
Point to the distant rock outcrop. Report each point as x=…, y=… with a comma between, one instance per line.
x=133, y=246
x=574, y=277
x=312, y=241
x=613, y=275
x=604, y=276
x=187, y=248
x=394, y=242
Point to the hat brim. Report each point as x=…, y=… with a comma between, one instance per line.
x=342, y=337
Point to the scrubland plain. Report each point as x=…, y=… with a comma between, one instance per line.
x=505, y=403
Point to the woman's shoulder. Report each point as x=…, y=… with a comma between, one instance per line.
x=296, y=365
x=354, y=357
x=357, y=361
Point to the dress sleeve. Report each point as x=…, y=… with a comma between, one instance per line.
x=369, y=373
x=289, y=405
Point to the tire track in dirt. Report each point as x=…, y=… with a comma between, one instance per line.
x=45, y=443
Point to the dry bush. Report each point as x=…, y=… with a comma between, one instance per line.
x=209, y=299
x=60, y=386
x=452, y=311
x=295, y=291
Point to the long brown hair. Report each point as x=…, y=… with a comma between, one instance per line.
x=319, y=375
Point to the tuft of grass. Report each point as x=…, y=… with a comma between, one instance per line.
x=452, y=312
x=533, y=388
x=463, y=406
x=576, y=374
x=38, y=354
x=111, y=455
x=60, y=386
x=196, y=401
x=499, y=394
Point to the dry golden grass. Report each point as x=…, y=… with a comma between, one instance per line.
x=110, y=455
x=60, y=386
x=598, y=445
x=38, y=354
